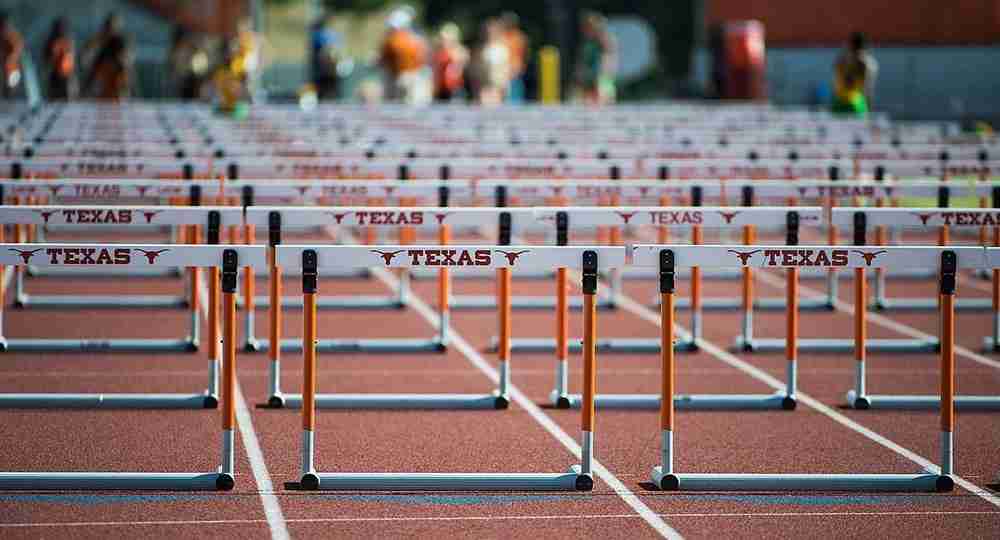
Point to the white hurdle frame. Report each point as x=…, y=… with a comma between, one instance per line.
x=229, y=259
x=578, y=478
x=948, y=260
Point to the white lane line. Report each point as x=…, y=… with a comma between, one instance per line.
x=534, y=411
x=265, y=487
x=648, y=315
x=882, y=320
x=553, y=517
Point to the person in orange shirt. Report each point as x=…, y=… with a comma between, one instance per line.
x=404, y=59
x=11, y=46
x=517, y=46
x=450, y=59
x=60, y=55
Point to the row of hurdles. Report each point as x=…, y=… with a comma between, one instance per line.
x=275, y=219
x=224, y=263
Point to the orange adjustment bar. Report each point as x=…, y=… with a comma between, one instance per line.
x=860, y=314
x=228, y=337
x=696, y=239
x=309, y=290
x=503, y=292
x=749, y=237
x=249, y=288
x=663, y=232
x=444, y=283
x=667, y=360
x=589, y=361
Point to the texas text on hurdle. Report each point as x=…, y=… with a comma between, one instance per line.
x=948, y=260
x=228, y=259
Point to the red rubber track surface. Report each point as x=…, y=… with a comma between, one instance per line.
x=627, y=442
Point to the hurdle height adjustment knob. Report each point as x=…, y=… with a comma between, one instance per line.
x=589, y=268
x=949, y=267
x=310, y=262
x=860, y=228
x=562, y=228
x=214, y=225
x=274, y=228
x=792, y=228
x=504, y=227
x=667, y=269
x=230, y=262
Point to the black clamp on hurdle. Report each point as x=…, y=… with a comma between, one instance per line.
x=230, y=264
x=310, y=274
x=860, y=228
x=194, y=195
x=667, y=271
x=949, y=269
x=562, y=229
x=504, y=229
x=214, y=225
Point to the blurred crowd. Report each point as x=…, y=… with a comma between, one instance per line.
x=490, y=68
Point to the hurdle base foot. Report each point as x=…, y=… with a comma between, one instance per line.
x=211, y=402
x=990, y=345
x=225, y=482
x=789, y=403
x=921, y=402
x=276, y=402
x=309, y=481
x=945, y=484
x=501, y=402
x=861, y=403
x=560, y=401
x=251, y=345
x=665, y=482
x=583, y=482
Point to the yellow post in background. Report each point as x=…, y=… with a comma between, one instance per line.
x=548, y=74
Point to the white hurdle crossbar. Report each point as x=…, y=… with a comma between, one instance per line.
x=670, y=257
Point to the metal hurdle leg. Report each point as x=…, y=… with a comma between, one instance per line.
x=666, y=478
x=223, y=479
x=578, y=478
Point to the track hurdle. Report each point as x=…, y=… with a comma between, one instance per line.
x=102, y=219
x=859, y=398
x=229, y=260
x=669, y=257
x=503, y=258
x=277, y=219
x=695, y=217
x=857, y=217
x=125, y=216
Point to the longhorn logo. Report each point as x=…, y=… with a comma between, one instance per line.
x=512, y=255
x=152, y=255
x=387, y=256
x=302, y=190
x=643, y=191
x=869, y=257
x=388, y=190
x=142, y=190
x=728, y=216
x=151, y=214
x=55, y=189
x=924, y=217
x=626, y=216
x=45, y=214
x=25, y=255
x=339, y=217
x=440, y=217
x=744, y=256
x=557, y=191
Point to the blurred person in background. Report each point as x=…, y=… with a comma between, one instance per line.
x=60, y=59
x=325, y=45
x=110, y=77
x=854, y=78
x=492, y=65
x=595, y=70
x=517, y=47
x=404, y=58
x=111, y=28
x=188, y=63
x=11, y=46
x=229, y=80
x=248, y=55
x=450, y=60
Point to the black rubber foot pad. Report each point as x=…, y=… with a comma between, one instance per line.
x=309, y=481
